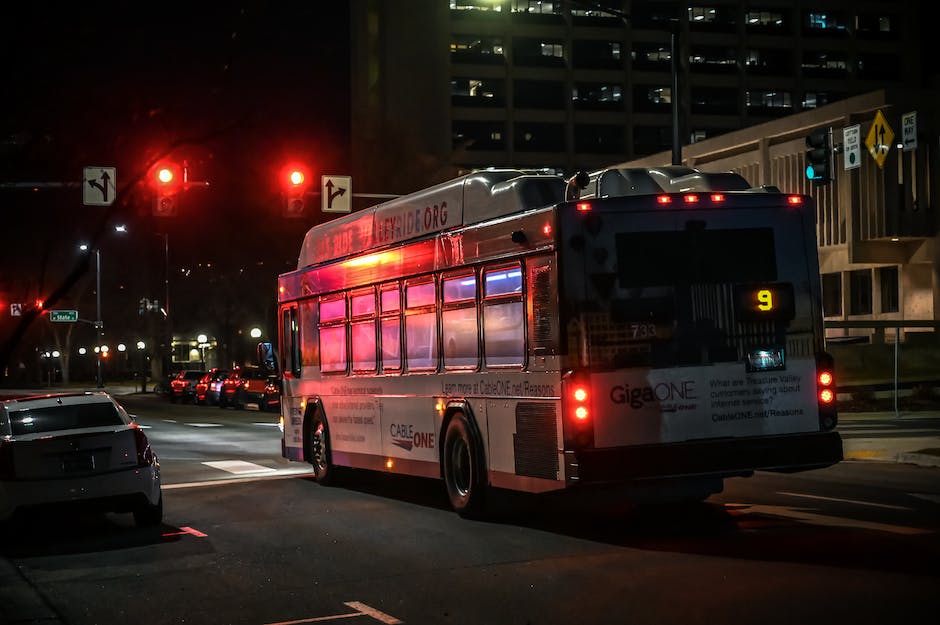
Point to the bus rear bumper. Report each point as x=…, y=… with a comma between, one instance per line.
x=714, y=458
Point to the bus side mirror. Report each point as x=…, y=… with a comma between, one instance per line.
x=266, y=357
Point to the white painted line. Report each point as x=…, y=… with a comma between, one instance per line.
x=382, y=617
x=144, y=427
x=852, y=501
x=225, y=481
x=361, y=610
x=239, y=467
x=830, y=521
x=169, y=420
x=927, y=497
x=205, y=425
x=267, y=425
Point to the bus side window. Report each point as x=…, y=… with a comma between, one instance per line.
x=390, y=325
x=309, y=343
x=459, y=321
x=362, y=311
x=503, y=317
x=333, y=334
x=421, y=325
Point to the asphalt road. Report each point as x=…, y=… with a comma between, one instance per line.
x=252, y=542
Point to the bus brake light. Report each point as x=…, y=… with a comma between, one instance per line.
x=664, y=199
x=690, y=198
x=584, y=206
x=794, y=200
x=718, y=197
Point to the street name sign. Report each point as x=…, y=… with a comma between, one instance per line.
x=67, y=316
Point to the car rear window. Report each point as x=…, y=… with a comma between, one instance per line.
x=194, y=375
x=65, y=417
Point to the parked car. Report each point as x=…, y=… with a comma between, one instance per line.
x=76, y=449
x=248, y=387
x=183, y=387
x=209, y=386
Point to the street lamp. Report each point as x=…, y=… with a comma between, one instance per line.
x=99, y=325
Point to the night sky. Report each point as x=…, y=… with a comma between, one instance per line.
x=234, y=91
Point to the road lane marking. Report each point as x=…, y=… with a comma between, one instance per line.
x=829, y=521
x=239, y=467
x=169, y=420
x=927, y=497
x=361, y=610
x=267, y=424
x=186, y=530
x=225, y=481
x=853, y=501
x=205, y=425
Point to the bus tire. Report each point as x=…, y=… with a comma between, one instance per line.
x=462, y=468
x=321, y=455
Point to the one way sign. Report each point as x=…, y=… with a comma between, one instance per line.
x=99, y=185
x=336, y=194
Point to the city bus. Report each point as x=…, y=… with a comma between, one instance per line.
x=654, y=329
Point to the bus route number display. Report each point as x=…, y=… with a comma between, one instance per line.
x=759, y=302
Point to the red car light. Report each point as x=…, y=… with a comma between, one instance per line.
x=145, y=457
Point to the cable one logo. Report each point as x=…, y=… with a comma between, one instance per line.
x=404, y=436
x=664, y=392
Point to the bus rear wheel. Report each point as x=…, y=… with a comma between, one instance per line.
x=320, y=453
x=463, y=469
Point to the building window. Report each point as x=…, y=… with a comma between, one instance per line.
x=333, y=335
x=651, y=139
x=586, y=14
x=875, y=26
x=538, y=52
x=715, y=100
x=769, y=101
x=826, y=23
x=475, y=5
x=654, y=14
x=878, y=66
x=474, y=49
x=599, y=139
x=860, y=292
x=890, y=289
x=767, y=21
x=832, y=294
x=712, y=18
x=477, y=135
x=714, y=59
x=538, y=137
x=823, y=63
x=390, y=303
x=477, y=92
x=538, y=94
x=536, y=7
x=813, y=99
x=594, y=54
x=769, y=61
x=654, y=56
x=588, y=95
x=652, y=99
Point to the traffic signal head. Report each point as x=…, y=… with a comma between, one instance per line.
x=295, y=178
x=819, y=155
x=166, y=180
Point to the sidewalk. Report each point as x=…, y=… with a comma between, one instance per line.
x=912, y=437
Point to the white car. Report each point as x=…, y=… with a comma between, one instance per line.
x=76, y=448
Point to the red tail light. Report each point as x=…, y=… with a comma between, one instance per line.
x=579, y=427
x=663, y=199
x=584, y=206
x=794, y=200
x=7, y=469
x=826, y=391
x=145, y=457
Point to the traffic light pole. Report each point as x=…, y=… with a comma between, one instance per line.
x=99, y=324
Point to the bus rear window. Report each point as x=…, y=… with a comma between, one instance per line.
x=661, y=258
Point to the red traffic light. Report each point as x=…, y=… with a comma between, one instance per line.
x=167, y=181
x=296, y=177
x=294, y=180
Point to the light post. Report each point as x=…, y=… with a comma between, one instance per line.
x=203, y=342
x=99, y=324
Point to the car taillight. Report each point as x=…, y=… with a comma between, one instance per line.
x=579, y=427
x=145, y=457
x=7, y=470
x=826, y=391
